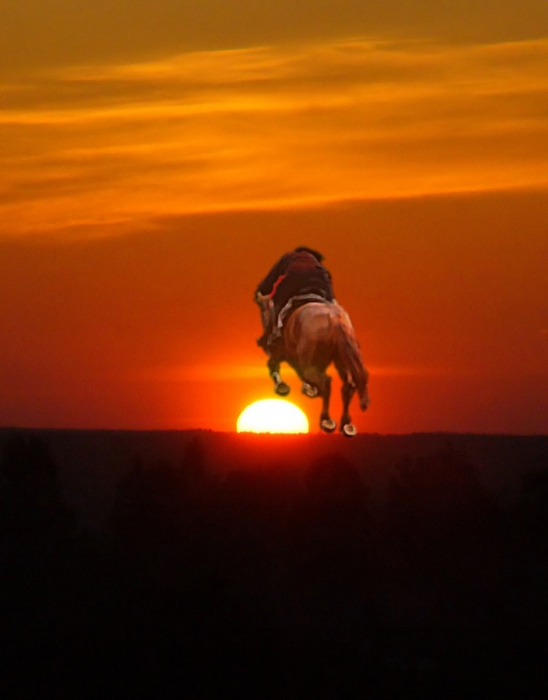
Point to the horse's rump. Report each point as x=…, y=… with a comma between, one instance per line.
x=310, y=337
x=317, y=334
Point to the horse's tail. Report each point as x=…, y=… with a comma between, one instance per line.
x=350, y=358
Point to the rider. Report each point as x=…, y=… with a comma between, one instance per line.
x=297, y=272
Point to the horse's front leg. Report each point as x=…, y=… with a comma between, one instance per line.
x=348, y=389
x=280, y=387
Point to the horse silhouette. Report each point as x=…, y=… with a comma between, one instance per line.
x=317, y=334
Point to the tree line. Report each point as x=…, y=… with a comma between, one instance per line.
x=271, y=584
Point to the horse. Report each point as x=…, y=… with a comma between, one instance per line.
x=317, y=334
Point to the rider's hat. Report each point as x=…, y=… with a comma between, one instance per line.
x=305, y=249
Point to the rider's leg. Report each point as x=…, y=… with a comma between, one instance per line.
x=267, y=320
x=272, y=335
x=274, y=338
x=283, y=293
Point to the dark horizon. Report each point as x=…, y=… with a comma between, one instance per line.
x=272, y=434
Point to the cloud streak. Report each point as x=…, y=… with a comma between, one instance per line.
x=268, y=127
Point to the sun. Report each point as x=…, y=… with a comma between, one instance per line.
x=272, y=416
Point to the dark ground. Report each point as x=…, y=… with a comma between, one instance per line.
x=198, y=564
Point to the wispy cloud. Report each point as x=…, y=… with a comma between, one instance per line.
x=270, y=127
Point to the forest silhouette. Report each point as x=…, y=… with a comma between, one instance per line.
x=233, y=571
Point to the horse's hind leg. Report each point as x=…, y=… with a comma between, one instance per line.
x=348, y=390
x=280, y=387
x=323, y=383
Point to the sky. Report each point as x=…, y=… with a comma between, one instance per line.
x=158, y=156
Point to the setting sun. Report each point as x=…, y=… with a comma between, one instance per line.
x=272, y=416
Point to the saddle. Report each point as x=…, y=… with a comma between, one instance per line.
x=274, y=342
x=293, y=304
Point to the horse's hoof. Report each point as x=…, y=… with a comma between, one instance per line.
x=309, y=390
x=349, y=430
x=282, y=389
x=328, y=425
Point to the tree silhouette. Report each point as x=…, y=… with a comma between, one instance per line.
x=31, y=503
x=44, y=566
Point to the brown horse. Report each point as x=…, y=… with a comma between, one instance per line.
x=316, y=335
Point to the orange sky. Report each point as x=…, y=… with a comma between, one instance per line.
x=148, y=182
